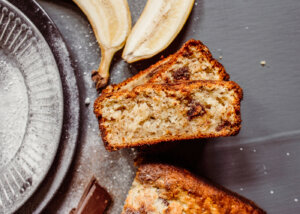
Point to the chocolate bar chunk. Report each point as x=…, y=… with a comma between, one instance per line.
x=94, y=200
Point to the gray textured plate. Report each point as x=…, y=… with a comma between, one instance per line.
x=31, y=108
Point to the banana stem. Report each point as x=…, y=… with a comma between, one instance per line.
x=101, y=76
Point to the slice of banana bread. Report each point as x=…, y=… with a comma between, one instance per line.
x=160, y=188
x=153, y=113
x=192, y=62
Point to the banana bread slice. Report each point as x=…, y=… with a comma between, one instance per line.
x=160, y=188
x=193, y=61
x=153, y=113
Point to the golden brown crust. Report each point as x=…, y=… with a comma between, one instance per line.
x=185, y=87
x=154, y=72
x=175, y=184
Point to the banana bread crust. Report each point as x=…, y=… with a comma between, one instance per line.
x=178, y=190
x=184, y=87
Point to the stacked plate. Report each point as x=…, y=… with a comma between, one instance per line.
x=31, y=108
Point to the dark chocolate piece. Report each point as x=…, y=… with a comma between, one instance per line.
x=222, y=125
x=196, y=109
x=94, y=200
x=181, y=74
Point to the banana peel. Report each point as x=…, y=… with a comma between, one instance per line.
x=111, y=22
x=157, y=27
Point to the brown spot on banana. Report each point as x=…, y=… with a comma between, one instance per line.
x=100, y=77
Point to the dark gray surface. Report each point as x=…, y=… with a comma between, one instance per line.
x=262, y=162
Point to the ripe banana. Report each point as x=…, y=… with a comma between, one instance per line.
x=111, y=22
x=157, y=27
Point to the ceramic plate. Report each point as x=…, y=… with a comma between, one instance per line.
x=31, y=108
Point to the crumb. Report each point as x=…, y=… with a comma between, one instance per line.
x=221, y=57
x=272, y=192
x=87, y=101
x=263, y=63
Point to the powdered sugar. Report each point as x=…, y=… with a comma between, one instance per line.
x=13, y=108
